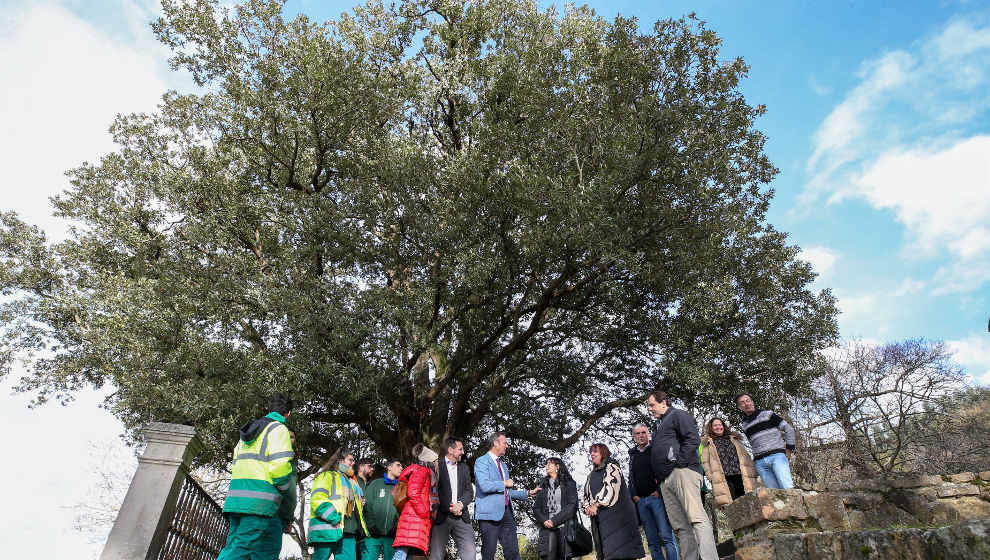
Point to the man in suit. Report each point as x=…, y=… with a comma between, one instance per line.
x=455, y=492
x=495, y=492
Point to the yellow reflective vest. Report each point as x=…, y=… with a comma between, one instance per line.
x=333, y=498
x=263, y=474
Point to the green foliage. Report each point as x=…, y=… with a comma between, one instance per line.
x=421, y=220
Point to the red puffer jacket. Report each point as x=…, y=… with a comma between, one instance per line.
x=414, y=521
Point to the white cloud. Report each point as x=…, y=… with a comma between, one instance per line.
x=960, y=39
x=50, y=475
x=65, y=78
x=973, y=353
x=816, y=86
x=973, y=243
x=856, y=310
x=847, y=122
x=65, y=81
x=960, y=277
x=821, y=258
x=941, y=196
x=874, y=315
x=909, y=286
x=908, y=140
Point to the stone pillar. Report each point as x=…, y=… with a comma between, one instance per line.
x=142, y=522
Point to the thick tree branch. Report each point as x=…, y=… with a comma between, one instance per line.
x=561, y=444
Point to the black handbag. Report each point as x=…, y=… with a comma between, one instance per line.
x=578, y=538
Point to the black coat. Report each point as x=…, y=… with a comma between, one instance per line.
x=465, y=491
x=567, y=513
x=617, y=525
x=675, y=444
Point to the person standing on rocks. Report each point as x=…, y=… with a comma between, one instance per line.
x=727, y=463
x=773, y=440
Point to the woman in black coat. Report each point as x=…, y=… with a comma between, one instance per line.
x=607, y=501
x=555, y=504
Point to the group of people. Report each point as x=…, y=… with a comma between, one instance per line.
x=353, y=516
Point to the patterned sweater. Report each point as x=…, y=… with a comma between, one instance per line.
x=611, y=486
x=764, y=429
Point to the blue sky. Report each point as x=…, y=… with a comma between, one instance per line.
x=878, y=118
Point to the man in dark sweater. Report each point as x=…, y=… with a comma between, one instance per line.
x=676, y=465
x=645, y=492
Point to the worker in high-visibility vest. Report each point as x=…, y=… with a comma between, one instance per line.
x=336, y=500
x=262, y=492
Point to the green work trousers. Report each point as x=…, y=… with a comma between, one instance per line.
x=344, y=549
x=252, y=537
x=373, y=548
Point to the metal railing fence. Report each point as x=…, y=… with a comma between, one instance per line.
x=198, y=530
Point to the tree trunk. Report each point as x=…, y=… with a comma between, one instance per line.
x=856, y=452
x=301, y=519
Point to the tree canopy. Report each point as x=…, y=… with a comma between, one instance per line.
x=430, y=219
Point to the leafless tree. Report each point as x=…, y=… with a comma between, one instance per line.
x=112, y=465
x=863, y=404
x=955, y=435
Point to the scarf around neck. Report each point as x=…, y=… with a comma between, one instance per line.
x=553, y=497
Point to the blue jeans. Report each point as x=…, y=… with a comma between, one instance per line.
x=775, y=470
x=653, y=516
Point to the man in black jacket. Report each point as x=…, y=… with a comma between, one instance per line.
x=675, y=462
x=455, y=491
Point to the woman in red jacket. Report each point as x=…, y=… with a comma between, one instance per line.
x=415, y=521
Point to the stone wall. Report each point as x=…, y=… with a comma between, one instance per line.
x=915, y=500
x=963, y=541
x=873, y=518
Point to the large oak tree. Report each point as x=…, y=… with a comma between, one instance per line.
x=432, y=219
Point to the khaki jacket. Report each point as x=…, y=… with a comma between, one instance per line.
x=713, y=468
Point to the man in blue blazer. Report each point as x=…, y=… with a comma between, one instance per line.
x=493, y=506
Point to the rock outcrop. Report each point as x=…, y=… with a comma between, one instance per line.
x=904, y=516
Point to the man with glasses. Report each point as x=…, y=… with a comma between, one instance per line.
x=645, y=492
